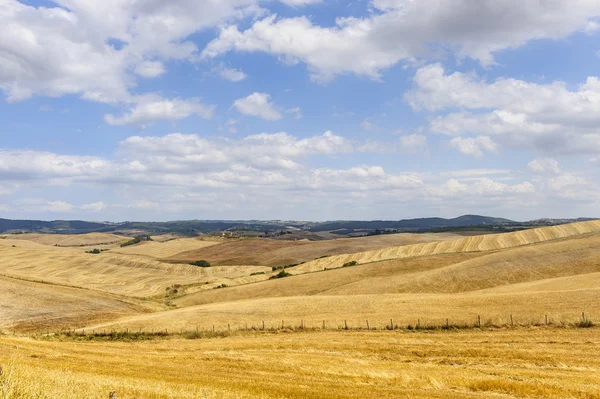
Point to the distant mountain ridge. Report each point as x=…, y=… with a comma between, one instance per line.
x=191, y=226
x=414, y=224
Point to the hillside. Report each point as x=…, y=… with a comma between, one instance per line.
x=468, y=244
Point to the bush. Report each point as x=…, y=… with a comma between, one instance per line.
x=281, y=274
x=221, y=286
x=257, y=273
x=136, y=240
x=200, y=263
x=351, y=263
x=275, y=268
x=93, y=251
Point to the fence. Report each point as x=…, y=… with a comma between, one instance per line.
x=328, y=325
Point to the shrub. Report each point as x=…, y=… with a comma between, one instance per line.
x=136, y=240
x=587, y=323
x=257, y=273
x=351, y=263
x=281, y=274
x=275, y=268
x=200, y=263
x=221, y=286
x=93, y=251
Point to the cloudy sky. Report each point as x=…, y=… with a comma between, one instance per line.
x=299, y=109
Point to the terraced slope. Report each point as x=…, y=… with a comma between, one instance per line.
x=468, y=244
x=278, y=253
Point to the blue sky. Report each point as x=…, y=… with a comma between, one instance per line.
x=298, y=109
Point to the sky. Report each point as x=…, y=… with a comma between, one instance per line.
x=115, y=110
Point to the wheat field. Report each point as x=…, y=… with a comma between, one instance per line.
x=468, y=244
x=518, y=363
x=512, y=303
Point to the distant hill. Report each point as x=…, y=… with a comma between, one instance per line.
x=56, y=226
x=413, y=224
x=275, y=228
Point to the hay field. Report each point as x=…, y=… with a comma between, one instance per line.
x=166, y=249
x=523, y=363
x=278, y=253
x=29, y=306
x=129, y=275
x=468, y=244
x=405, y=309
x=68, y=240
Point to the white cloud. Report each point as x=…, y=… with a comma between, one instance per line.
x=259, y=105
x=547, y=117
x=69, y=48
x=94, y=207
x=149, y=109
x=150, y=69
x=231, y=74
x=474, y=146
x=544, y=166
x=404, y=30
x=296, y=111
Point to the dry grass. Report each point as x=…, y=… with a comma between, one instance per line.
x=278, y=253
x=468, y=244
x=27, y=306
x=166, y=249
x=130, y=275
x=524, y=363
x=404, y=309
x=68, y=240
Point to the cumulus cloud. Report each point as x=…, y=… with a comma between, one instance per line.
x=474, y=146
x=544, y=166
x=231, y=74
x=259, y=105
x=403, y=30
x=149, y=109
x=547, y=117
x=150, y=69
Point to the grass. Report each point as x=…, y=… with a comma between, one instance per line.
x=524, y=363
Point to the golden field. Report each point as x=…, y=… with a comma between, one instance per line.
x=517, y=363
x=511, y=283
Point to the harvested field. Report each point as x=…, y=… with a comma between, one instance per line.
x=29, y=306
x=68, y=240
x=524, y=363
x=469, y=244
x=129, y=275
x=279, y=253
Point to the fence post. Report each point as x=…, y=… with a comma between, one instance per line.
x=546, y=319
x=418, y=323
x=345, y=324
x=479, y=321
x=582, y=316
x=263, y=325
x=511, y=320
x=213, y=328
x=323, y=324
x=229, y=327
x=391, y=324
x=368, y=328
x=447, y=324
